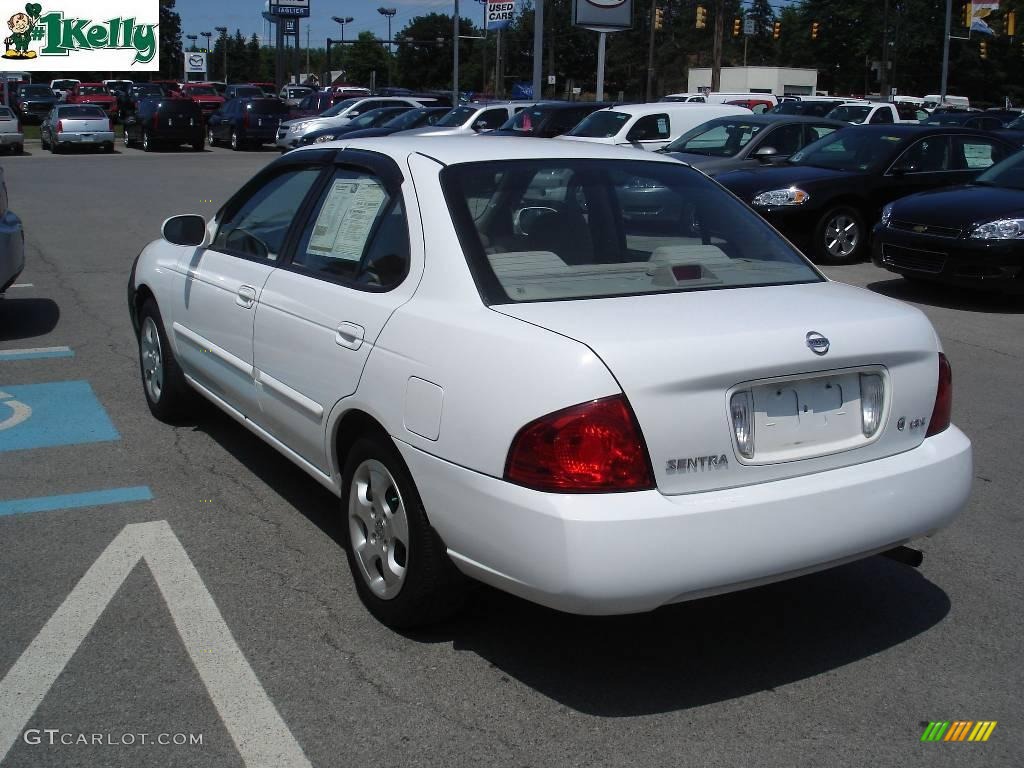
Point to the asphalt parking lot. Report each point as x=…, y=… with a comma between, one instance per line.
x=242, y=626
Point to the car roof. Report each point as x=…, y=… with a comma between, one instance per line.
x=453, y=150
x=774, y=117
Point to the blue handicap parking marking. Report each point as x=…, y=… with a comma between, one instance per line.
x=56, y=413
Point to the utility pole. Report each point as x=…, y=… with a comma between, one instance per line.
x=538, y=48
x=716, y=47
x=945, y=53
x=649, y=96
x=455, y=55
x=307, y=48
x=224, y=44
x=883, y=78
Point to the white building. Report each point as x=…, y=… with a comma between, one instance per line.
x=781, y=81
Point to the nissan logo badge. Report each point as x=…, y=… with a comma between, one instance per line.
x=817, y=343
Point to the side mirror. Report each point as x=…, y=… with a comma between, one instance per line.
x=188, y=230
x=766, y=154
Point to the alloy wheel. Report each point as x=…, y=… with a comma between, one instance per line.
x=152, y=359
x=842, y=236
x=378, y=529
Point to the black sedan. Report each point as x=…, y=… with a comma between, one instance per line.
x=372, y=119
x=748, y=141
x=970, y=236
x=828, y=195
x=246, y=122
x=419, y=117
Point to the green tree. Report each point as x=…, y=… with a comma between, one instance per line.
x=364, y=57
x=171, y=64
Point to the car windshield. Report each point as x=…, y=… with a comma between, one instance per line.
x=340, y=107
x=93, y=90
x=528, y=120
x=719, y=139
x=148, y=90
x=248, y=90
x=1017, y=125
x=600, y=125
x=36, y=90
x=548, y=230
x=297, y=93
x=370, y=119
x=456, y=117
x=408, y=119
x=64, y=83
x=83, y=112
x=851, y=149
x=850, y=113
x=203, y=90
x=1009, y=173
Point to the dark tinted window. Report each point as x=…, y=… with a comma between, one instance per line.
x=36, y=90
x=83, y=112
x=179, y=107
x=268, y=107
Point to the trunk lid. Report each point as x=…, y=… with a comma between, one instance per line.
x=85, y=124
x=679, y=357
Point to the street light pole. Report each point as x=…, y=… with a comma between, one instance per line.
x=207, y=35
x=193, y=38
x=455, y=56
x=342, y=20
x=224, y=37
x=883, y=79
x=390, y=13
x=945, y=53
x=538, y=47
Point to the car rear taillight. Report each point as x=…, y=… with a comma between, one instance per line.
x=593, y=447
x=60, y=126
x=943, y=410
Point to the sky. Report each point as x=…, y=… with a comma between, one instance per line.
x=203, y=15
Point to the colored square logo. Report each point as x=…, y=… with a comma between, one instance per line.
x=47, y=415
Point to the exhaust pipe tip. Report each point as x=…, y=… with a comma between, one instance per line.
x=905, y=555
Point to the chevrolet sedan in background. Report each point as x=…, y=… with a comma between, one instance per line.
x=291, y=131
x=368, y=120
x=548, y=119
x=80, y=125
x=735, y=143
x=632, y=440
x=414, y=118
x=827, y=197
x=11, y=137
x=12, y=241
x=970, y=236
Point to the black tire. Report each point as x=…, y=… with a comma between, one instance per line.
x=174, y=399
x=198, y=146
x=19, y=149
x=432, y=588
x=127, y=139
x=850, y=246
x=147, y=143
x=236, y=140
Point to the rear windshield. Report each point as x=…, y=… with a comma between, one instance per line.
x=93, y=90
x=722, y=139
x=147, y=90
x=548, y=230
x=456, y=117
x=850, y=114
x=340, y=107
x=84, y=112
x=809, y=108
x=36, y=90
x=65, y=83
x=248, y=91
x=600, y=125
x=268, y=107
x=202, y=90
x=179, y=107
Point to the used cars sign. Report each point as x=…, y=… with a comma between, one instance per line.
x=499, y=13
x=91, y=35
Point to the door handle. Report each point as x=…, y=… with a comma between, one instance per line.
x=246, y=297
x=349, y=335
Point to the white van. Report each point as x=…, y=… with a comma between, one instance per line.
x=932, y=101
x=647, y=126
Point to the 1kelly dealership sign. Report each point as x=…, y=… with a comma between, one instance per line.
x=81, y=35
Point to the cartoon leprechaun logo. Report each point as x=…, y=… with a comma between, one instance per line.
x=21, y=25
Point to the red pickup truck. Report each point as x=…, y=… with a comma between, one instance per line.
x=205, y=95
x=94, y=93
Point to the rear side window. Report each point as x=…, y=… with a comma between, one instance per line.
x=257, y=225
x=928, y=155
x=974, y=152
x=357, y=234
x=571, y=229
x=649, y=128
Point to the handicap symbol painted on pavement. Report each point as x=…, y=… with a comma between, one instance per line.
x=18, y=412
x=47, y=415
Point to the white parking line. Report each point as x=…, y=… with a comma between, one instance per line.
x=21, y=285
x=260, y=735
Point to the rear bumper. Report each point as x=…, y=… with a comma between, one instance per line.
x=632, y=552
x=8, y=139
x=91, y=139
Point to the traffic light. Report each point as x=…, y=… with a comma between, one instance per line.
x=984, y=49
x=659, y=18
x=776, y=30
x=737, y=26
x=965, y=15
x=1011, y=23
x=702, y=17
x=814, y=30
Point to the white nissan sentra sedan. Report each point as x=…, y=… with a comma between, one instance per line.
x=507, y=368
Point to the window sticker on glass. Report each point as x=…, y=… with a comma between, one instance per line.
x=345, y=221
x=663, y=125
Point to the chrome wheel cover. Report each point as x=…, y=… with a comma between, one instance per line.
x=152, y=359
x=842, y=236
x=378, y=529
